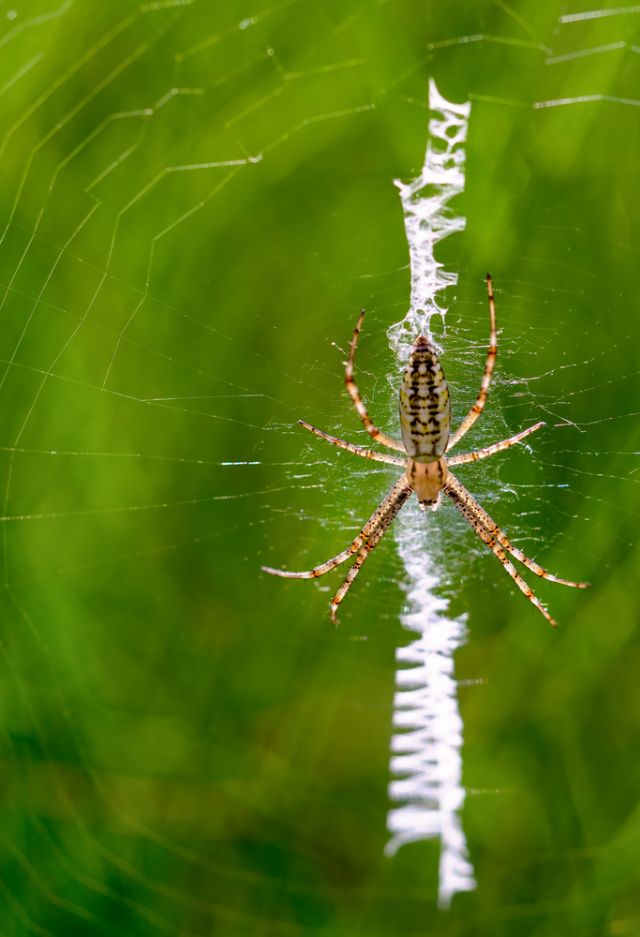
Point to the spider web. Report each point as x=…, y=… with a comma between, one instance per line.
x=195, y=203
x=427, y=746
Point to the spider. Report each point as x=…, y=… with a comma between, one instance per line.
x=425, y=422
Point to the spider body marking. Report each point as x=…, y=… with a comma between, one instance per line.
x=425, y=424
x=425, y=404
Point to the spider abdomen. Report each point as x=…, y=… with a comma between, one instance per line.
x=425, y=407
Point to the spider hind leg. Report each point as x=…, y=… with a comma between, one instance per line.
x=356, y=397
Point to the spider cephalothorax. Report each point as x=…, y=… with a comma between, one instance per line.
x=425, y=424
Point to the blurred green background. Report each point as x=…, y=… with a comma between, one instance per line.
x=195, y=200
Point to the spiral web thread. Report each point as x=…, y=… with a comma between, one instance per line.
x=426, y=761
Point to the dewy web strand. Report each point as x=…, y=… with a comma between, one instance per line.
x=426, y=762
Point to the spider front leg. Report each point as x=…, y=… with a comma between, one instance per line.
x=492, y=351
x=348, y=581
x=388, y=507
x=357, y=400
x=394, y=508
x=464, y=503
x=492, y=528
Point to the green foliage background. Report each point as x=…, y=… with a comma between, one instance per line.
x=195, y=199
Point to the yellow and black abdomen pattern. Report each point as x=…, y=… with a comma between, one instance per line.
x=425, y=407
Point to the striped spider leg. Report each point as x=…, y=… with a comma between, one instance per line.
x=498, y=542
x=362, y=545
x=352, y=389
x=492, y=351
x=425, y=423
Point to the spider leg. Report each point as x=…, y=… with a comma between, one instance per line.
x=357, y=400
x=369, y=546
x=492, y=528
x=492, y=351
x=496, y=447
x=356, y=450
x=396, y=496
x=348, y=581
x=462, y=500
x=320, y=570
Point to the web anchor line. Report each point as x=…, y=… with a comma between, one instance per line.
x=426, y=761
